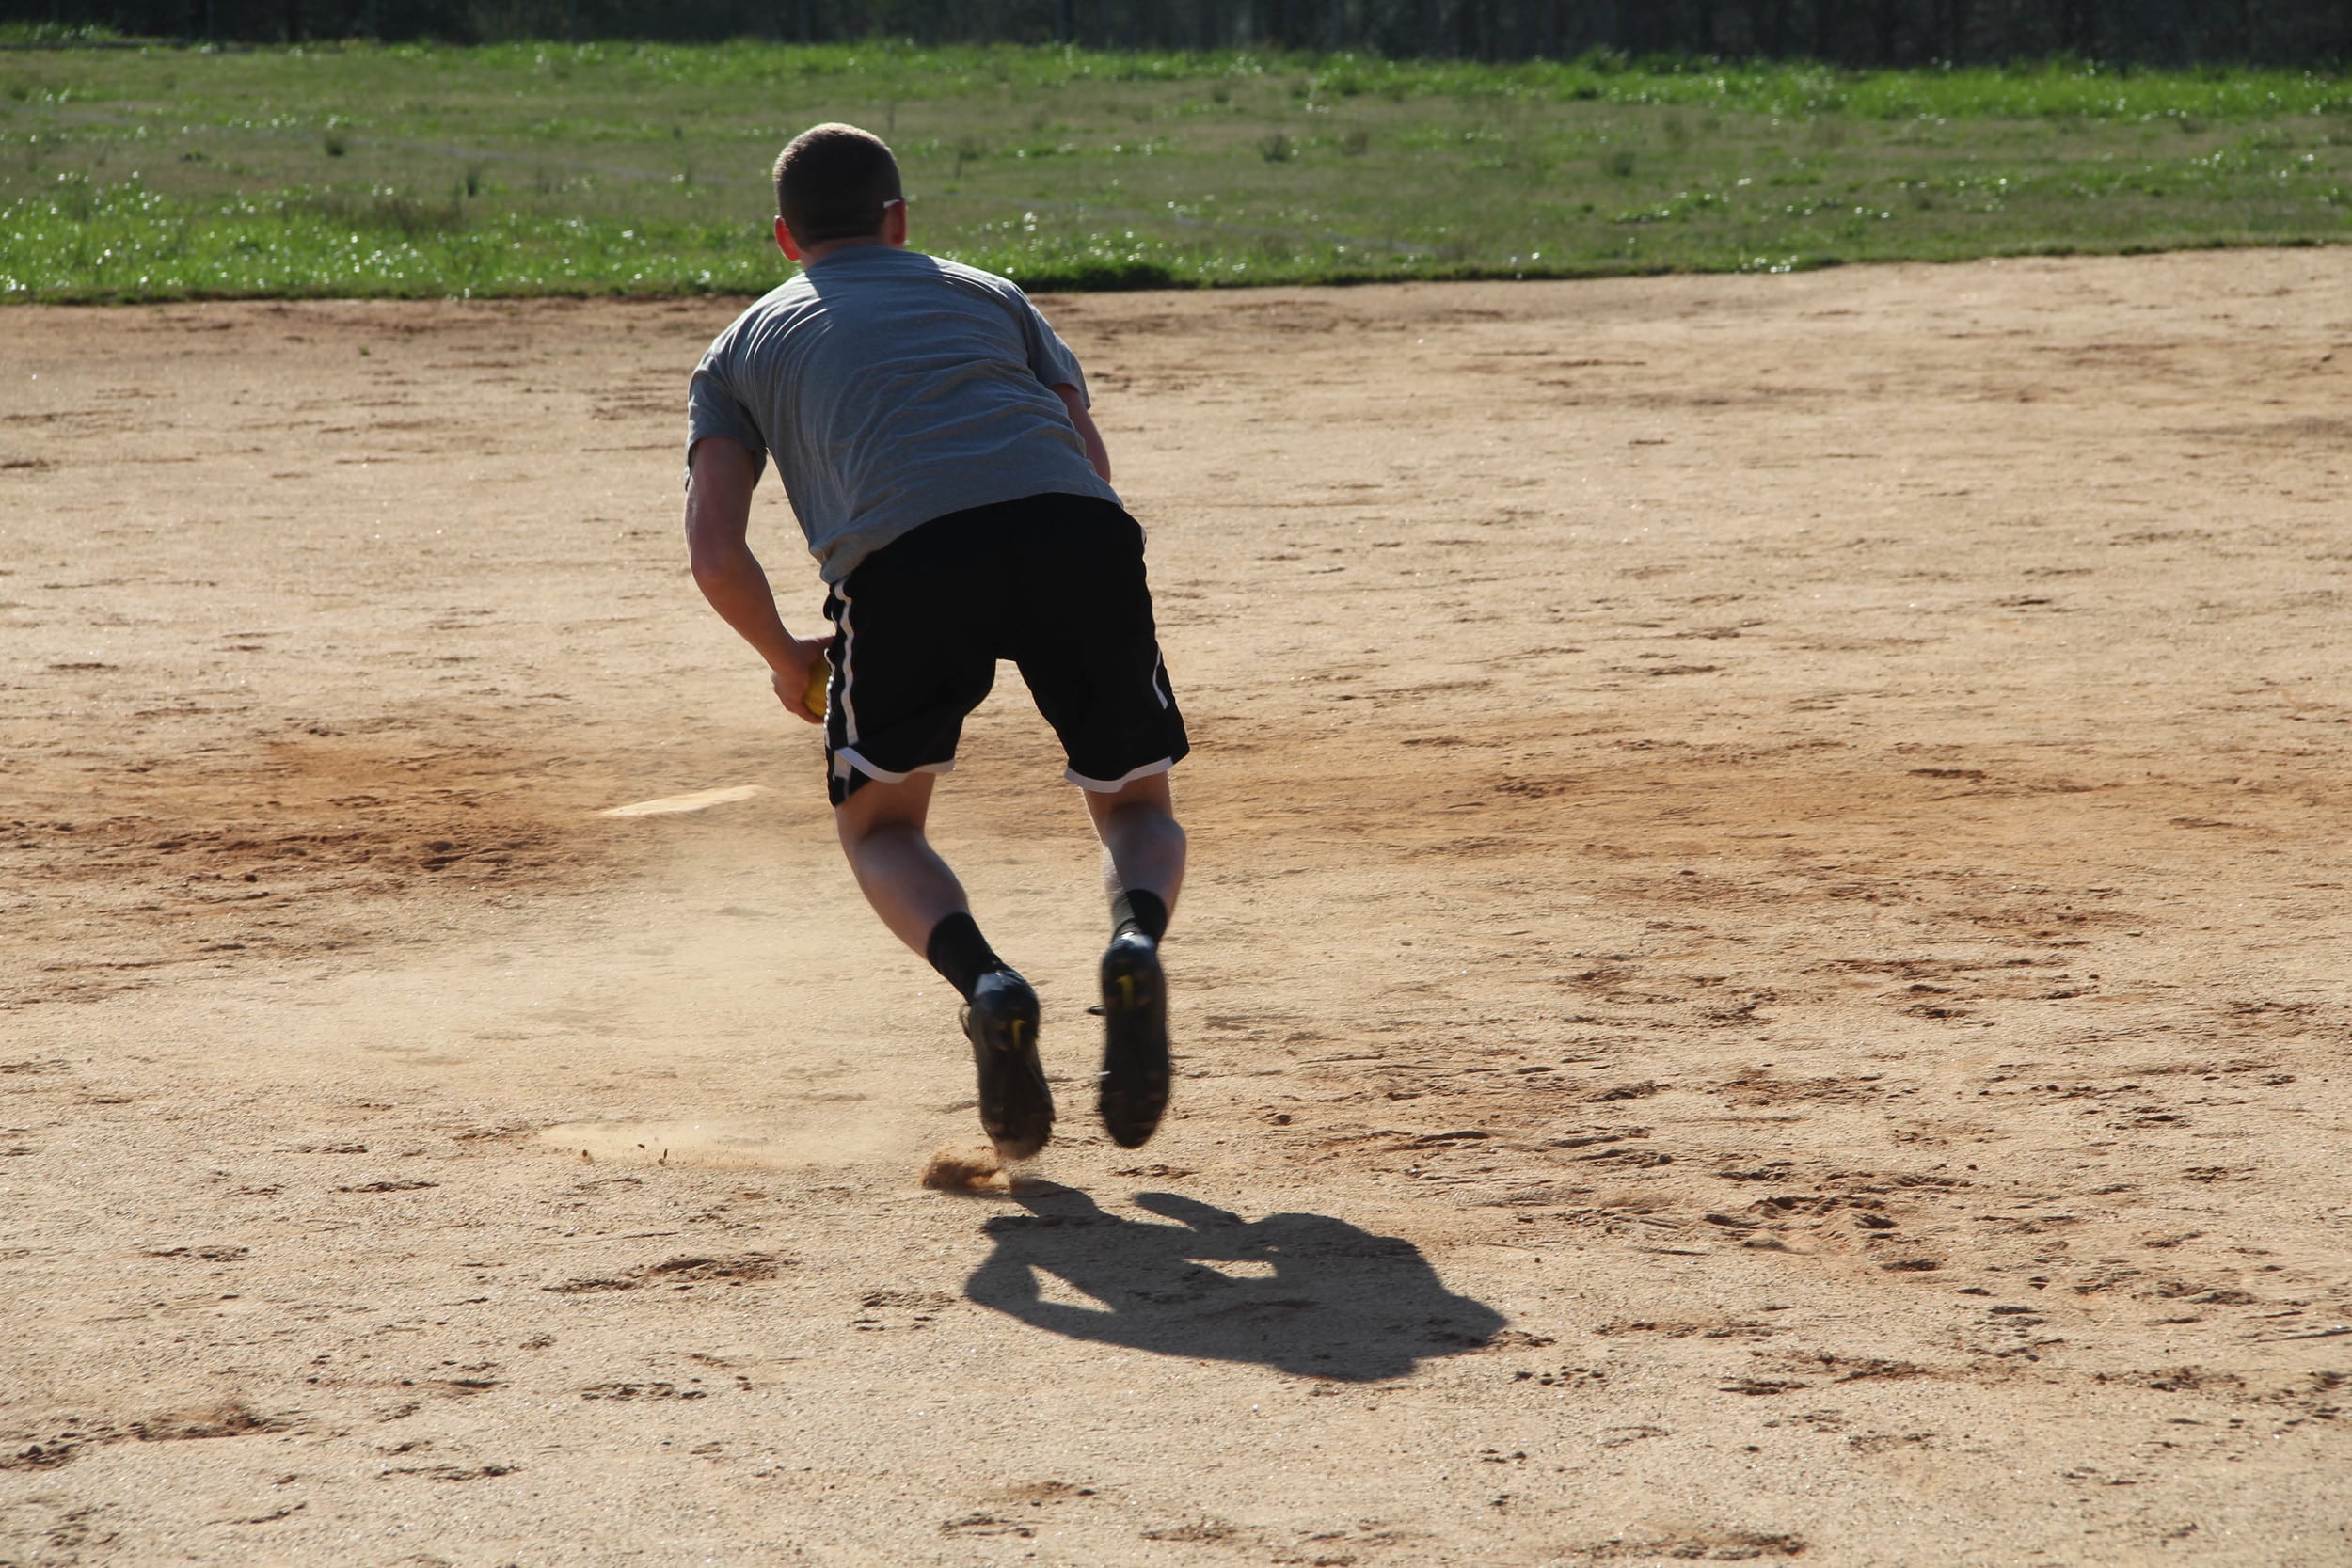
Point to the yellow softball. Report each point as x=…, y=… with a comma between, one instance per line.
x=820, y=676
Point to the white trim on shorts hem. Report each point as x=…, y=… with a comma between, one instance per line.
x=1109, y=787
x=846, y=758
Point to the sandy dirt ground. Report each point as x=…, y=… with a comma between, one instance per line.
x=1763, y=978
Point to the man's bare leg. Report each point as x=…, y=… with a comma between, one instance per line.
x=919, y=898
x=1143, y=853
x=897, y=868
x=1143, y=845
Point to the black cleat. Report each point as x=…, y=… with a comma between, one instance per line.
x=1135, y=1040
x=1016, y=1107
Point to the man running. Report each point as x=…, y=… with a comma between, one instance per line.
x=933, y=438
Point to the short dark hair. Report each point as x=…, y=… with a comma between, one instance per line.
x=833, y=182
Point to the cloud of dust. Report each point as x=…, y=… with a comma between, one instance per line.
x=969, y=1169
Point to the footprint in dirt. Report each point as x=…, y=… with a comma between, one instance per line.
x=1305, y=1293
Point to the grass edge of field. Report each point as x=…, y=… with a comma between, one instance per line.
x=1153, y=278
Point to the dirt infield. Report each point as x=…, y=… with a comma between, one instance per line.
x=1764, y=978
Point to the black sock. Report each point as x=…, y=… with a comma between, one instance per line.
x=1138, y=911
x=958, y=951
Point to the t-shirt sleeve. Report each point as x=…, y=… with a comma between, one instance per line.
x=1049, y=357
x=713, y=410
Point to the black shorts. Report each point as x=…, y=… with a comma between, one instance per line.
x=1053, y=583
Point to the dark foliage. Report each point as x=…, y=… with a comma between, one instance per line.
x=2290, y=32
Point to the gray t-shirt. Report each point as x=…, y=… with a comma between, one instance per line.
x=893, y=388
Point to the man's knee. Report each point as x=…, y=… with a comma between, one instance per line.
x=1161, y=821
x=883, y=807
x=1149, y=796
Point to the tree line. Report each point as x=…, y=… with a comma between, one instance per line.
x=1857, y=33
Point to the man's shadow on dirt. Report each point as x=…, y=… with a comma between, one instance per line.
x=1304, y=1293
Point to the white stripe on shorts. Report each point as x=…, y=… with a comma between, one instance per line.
x=849, y=646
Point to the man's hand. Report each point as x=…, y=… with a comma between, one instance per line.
x=791, y=678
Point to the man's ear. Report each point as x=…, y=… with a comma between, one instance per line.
x=785, y=242
x=894, y=231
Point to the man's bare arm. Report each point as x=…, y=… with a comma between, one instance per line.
x=1097, y=453
x=720, y=477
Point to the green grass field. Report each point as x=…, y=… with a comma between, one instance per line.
x=520, y=170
